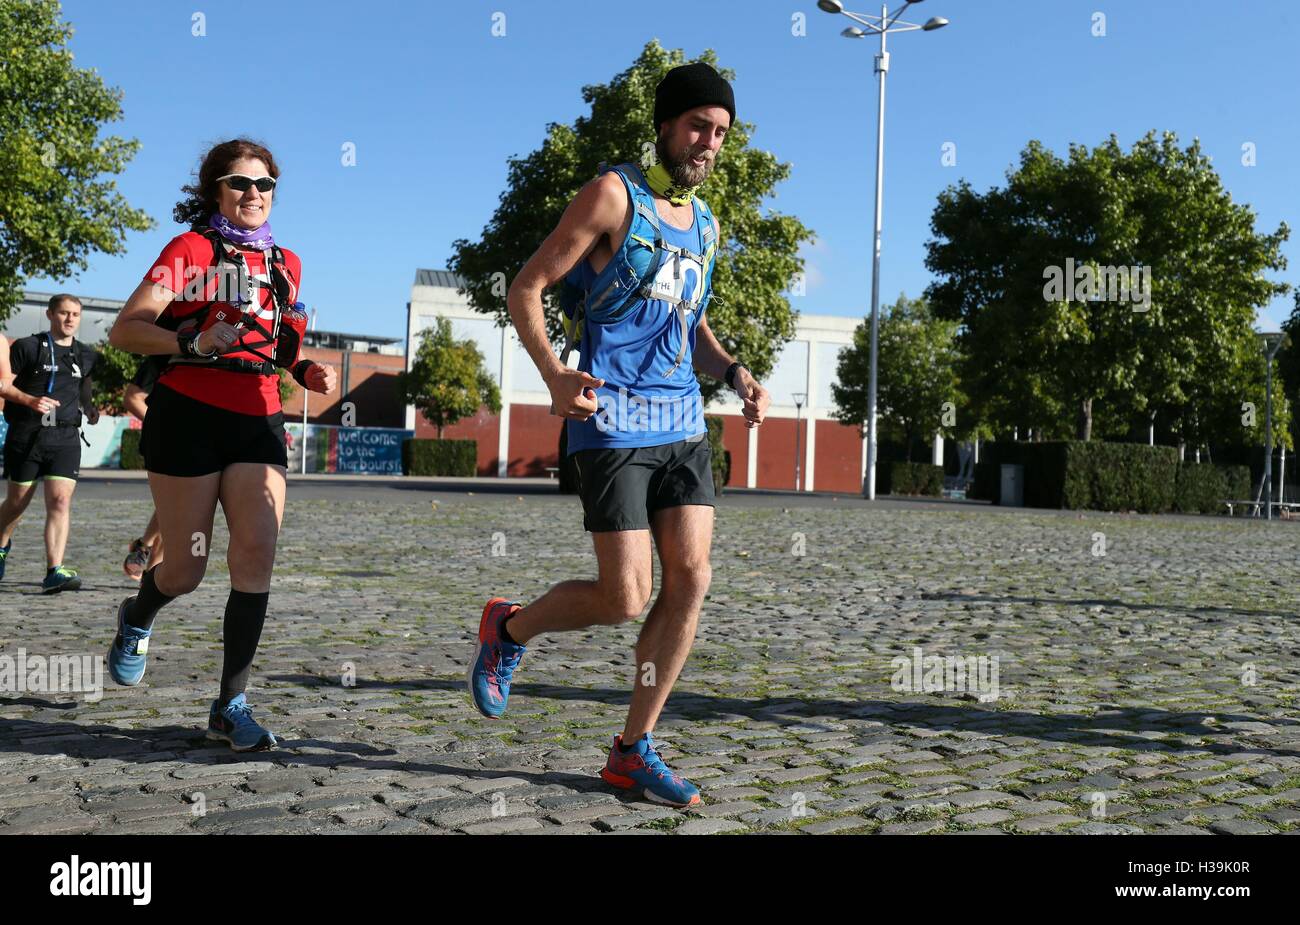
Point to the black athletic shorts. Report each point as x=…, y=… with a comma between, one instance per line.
x=621, y=488
x=186, y=437
x=47, y=453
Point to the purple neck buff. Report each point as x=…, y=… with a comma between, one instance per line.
x=259, y=237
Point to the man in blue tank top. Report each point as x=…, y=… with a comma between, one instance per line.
x=639, y=246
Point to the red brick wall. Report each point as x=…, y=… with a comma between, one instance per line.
x=534, y=440
x=776, y=452
x=735, y=439
x=372, y=387
x=839, y=458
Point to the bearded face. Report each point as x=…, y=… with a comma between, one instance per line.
x=689, y=164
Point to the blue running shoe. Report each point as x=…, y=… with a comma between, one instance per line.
x=234, y=724
x=129, y=651
x=60, y=578
x=495, y=660
x=641, y=766
x=4, y=554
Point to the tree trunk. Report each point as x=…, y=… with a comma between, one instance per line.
x=1085, y=419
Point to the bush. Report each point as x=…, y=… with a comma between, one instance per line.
x=1202, y=488
x=1078, y=475
x=130, y=456
x=1110, y=477
x=440, y=457
x=904, y=478
x=1237, y=483
x=721, y=458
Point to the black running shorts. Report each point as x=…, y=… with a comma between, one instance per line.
x=186, y=437
x=621, y=488
x=48, y=453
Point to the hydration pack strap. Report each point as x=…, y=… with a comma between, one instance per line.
x=232, y=364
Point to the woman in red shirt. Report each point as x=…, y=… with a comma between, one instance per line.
x=222, y=301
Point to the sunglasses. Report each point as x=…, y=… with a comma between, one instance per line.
x=240, y=183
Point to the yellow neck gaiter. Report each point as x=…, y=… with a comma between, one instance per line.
x=659, y=180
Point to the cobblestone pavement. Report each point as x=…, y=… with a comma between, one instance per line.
x=1149, y=689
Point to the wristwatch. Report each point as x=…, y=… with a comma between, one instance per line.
x=730, y=378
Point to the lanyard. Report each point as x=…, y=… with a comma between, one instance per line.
x=54, y=363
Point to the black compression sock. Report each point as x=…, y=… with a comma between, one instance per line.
x=147, y=603
x=505, y=633
x=245, y=614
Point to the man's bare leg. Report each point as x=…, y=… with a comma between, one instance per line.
x=18, y=496
x=683, y=537
x=58, y=512
x=622, y=587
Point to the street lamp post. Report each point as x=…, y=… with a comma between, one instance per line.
x=799, y=398
x=883, y=25
x=1272, y=343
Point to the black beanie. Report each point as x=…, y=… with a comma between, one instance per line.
x=688, y=86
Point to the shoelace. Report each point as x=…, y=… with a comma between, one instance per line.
x=655, y=765
x=239, y=714
x=507, y=664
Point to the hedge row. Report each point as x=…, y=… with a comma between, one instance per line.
x=721, y=458
x=130, y=457
x=1077, y=475
x=903, y=478
x=1202, y=488
x=440, y=457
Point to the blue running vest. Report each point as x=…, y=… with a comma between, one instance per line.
x=651, y=396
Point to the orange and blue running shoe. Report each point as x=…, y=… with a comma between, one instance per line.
x=641, y=766
x=495, y=660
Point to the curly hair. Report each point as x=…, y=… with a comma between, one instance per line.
x=201, y=198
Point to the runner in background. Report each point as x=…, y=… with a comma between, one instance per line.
x=147, y=548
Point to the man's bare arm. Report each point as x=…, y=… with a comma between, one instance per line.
x=710, y=357
x=599, y=209
x=713, y=360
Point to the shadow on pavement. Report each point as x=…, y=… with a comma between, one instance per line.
x=1075, y=728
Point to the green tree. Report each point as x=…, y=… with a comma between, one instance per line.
x=113, y=370
x=1035, y=357
x=55, y=204
x=287, y=384
x=917, y=375
x=447, y=380
x=757, y=257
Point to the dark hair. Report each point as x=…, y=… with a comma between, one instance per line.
x=200, y=200
x=57, y=300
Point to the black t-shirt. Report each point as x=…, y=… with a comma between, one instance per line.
x=29, y=358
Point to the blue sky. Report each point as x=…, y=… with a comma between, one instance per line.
x=435, y=104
